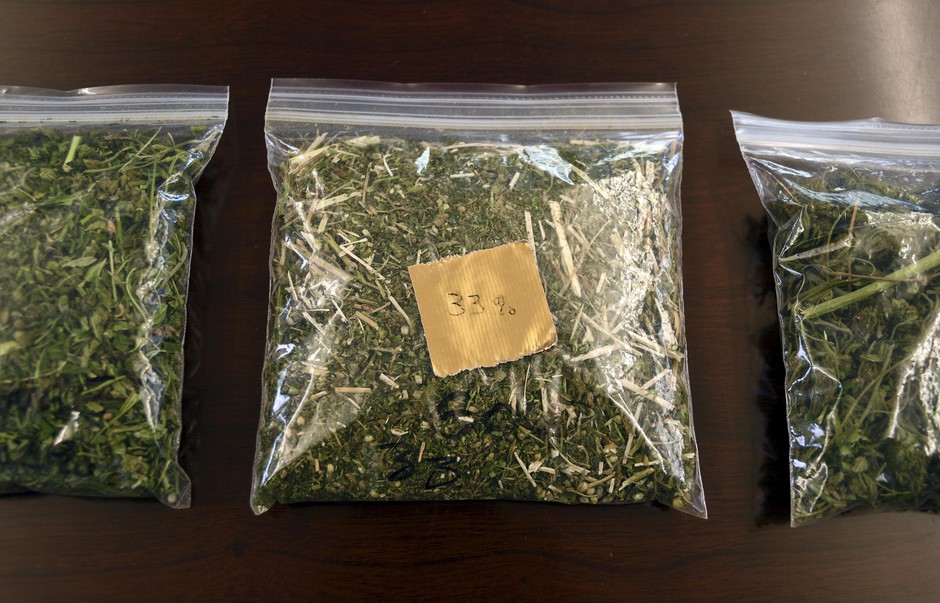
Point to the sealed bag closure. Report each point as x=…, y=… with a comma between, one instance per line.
x=475, y=107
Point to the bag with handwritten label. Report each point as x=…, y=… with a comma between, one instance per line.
x=475, y=294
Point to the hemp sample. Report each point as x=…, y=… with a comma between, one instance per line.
x=856, y=256
x=96, y=223
x=352, y=409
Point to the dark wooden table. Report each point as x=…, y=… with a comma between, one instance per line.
x=798, y=59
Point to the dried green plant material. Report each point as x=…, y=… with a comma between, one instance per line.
x=857, y=259
x=352, y=410
x=96, y=227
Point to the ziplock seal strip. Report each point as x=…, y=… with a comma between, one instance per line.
x=646, y=106
x=114, y=104
x=865, y=136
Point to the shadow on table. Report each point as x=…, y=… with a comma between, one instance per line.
x=773, y=496
x=212, y=191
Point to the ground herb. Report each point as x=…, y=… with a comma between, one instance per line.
x=857, y=260
x=351, y=408
x=96, y=227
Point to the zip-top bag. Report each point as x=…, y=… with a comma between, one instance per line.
x=475, y=293
x=855, y=212
x=96, y=218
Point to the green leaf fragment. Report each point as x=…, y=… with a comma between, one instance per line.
x=80, y=262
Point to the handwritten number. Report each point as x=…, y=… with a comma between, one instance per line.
x=457, y=303
x=450, y=424
x=443, y=471
x=488, y=421
x=458, y=308
x=407, y=468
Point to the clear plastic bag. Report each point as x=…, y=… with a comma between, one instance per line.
x=855, y=210
x=373, y=178
x=96, y=218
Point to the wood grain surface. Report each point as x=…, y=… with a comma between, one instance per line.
x=796, y=59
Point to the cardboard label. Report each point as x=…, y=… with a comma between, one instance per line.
x=482, y=308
